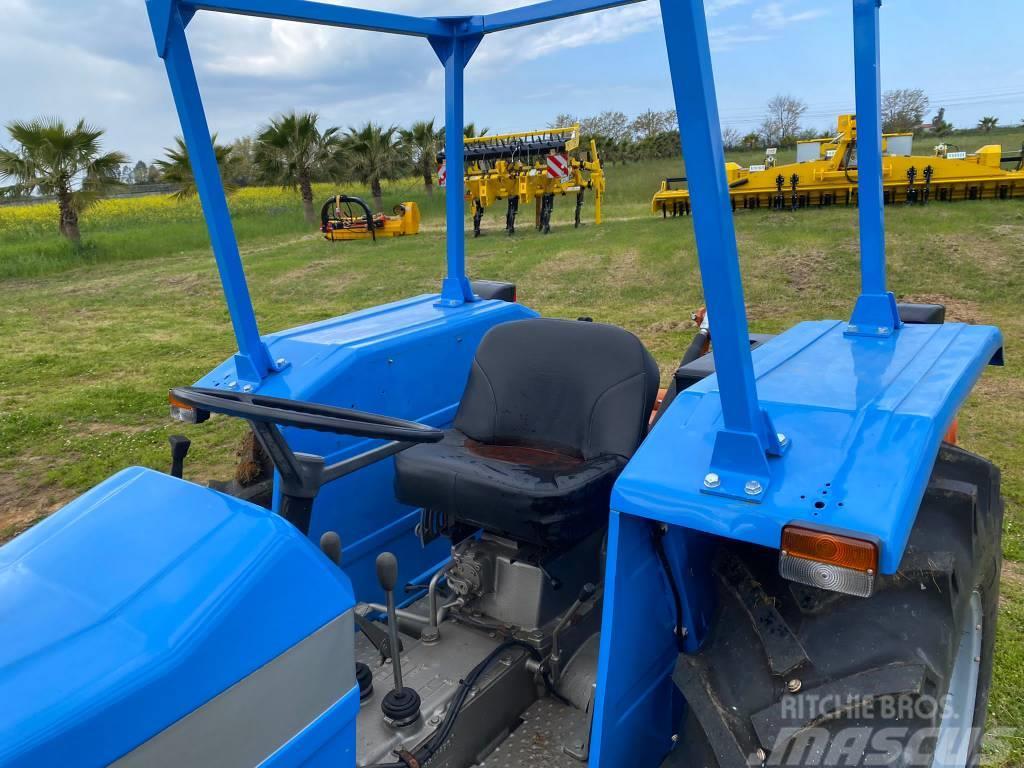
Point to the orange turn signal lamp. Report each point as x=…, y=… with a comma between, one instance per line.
x=189, y=414
x=826, y=560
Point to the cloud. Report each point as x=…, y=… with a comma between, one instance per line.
x=776, y=16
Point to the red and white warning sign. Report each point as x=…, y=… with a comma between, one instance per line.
x=442, y=175
x=558, y=166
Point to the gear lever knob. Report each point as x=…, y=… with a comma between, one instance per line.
x=387, y=571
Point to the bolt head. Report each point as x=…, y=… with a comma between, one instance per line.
x=782, y=438
x=752, y=488
x=232, y=384
x=281, y=362
x=761, y=754
x=794, y=685
x=712, y=480
x=247, y=388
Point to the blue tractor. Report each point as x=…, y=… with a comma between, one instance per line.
x=480, y=553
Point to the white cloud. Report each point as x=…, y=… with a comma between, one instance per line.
x=776, y=16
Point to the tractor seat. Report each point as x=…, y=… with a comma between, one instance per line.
x=552, y=411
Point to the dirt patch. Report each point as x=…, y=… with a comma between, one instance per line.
x=625, y=269
x=992, y=253
x=957, y=310
x=1012, y=577
x=24, y=501
x=802, y=269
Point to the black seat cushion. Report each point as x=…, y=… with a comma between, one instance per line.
x=527, y=494
x=552, y=411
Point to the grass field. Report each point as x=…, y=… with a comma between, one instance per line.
x=89, y=344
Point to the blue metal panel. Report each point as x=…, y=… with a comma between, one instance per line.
x=867, y=417
x=746, y=433
x=131, y=614
x=875, y=313
x=326, y=14
x=253, y=361
x=327, y=742
x=637, y=707
x=408, y=359
x=541, y=12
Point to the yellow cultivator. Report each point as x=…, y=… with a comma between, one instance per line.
x=825, y=173
x=531, y=167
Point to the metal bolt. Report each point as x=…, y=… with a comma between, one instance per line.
x=232, y=384
x=883, y=330
x=675, y=737
x=281, y=362
x=712, y=480
x=247, y=388
x=752, y=488
x=794, y=686
x=782, y=438
x=434, y=720
x=761, y=754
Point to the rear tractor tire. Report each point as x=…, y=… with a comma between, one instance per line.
x=791, y=675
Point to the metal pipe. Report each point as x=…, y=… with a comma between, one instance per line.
x=433, y=633
x=396, y=661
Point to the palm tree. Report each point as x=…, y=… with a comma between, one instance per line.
x=422, y=141
x=176, y=168
x=988, y=123
x=470, y=131
x=52, y=159
x=292, y=151
x=374, y=154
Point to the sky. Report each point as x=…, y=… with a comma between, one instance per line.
x=97, y=60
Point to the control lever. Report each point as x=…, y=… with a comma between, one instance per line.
x=587, y=594
x=179, y=450
x=401, y=705
x=330, y=545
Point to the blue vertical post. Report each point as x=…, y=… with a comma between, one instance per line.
x=875, y=313
x=253, y=360
x=454, y=53
x=740, y=448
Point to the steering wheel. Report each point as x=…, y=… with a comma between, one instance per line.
x=302, y=474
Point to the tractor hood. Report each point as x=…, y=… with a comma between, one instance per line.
x=139, y=602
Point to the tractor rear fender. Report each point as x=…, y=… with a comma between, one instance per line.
x=863, y=418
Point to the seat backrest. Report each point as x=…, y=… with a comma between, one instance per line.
x=581, y=388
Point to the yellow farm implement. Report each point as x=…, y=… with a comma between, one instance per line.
x=344, y=217
x=531, y=167
x=825, y=173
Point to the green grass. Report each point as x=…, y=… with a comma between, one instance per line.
x=87, y=354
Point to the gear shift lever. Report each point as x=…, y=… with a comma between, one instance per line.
x=401, y=706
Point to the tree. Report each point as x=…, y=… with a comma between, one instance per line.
x=139, y=173
x=939, y=125
x=244, y=170
x=421, y=140
x=291, y=150
x=374, y=154
x=613, y=126
x=903, y=110
x=470, y=131
x=731, y=138
x=53, y=159
x=176, y=167
x=782, y=121
x=987, y=123
x=564, y=120
x=649, y=124
x=153, y=175
x=751, y=141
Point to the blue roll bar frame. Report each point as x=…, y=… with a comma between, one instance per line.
x=747, y=438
